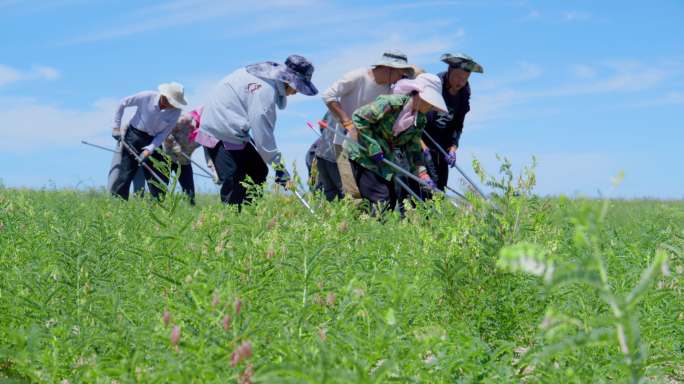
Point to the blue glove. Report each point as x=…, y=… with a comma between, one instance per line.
x=451, y=159
x=428, y=181
x=282, y=177
x=378, y=157
x=431, y=184
x=427, y=155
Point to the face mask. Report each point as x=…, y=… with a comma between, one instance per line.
x=281, y=97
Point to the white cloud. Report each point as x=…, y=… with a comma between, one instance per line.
x=521, y=72
x=497, y=96
x=532, y=15
x=535, y=15
x=51, y=126
x=10, y=75
x=582, y=71
x=186, y=12
x=576, y=16
x=669, y=98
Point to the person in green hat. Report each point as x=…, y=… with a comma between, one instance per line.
x=445, y=127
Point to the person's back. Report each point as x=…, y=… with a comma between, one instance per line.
x=238, y=122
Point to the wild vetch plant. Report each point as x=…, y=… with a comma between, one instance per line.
x=95, y=289
x=619, y=324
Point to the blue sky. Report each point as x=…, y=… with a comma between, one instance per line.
x=589, y=88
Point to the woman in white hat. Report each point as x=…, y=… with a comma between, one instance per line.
x=156, y=114
x=391, y=123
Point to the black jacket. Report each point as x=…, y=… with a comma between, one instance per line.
x=446, y=127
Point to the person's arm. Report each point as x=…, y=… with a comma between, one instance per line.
x=332, y=96
x=157, y=140
x=262, y=118
x=459, y=119
x=133, y=100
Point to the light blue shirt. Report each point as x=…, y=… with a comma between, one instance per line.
x=148, y=117
x=243, y=104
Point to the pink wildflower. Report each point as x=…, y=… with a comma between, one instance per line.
x=175, y=336
x=330, y=299
x=166, y=317
x=244, y=351
x=246, y=376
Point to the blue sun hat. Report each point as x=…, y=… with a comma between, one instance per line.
x=462, y=61
x=296, y=72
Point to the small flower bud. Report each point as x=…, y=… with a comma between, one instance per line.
x=166, y=317
x=330, y=299
x=246, y=376
x=226, y=322
x=344, y=226
x=215, y=300
x=175, y=335
x=244, y=351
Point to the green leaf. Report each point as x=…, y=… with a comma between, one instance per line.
x=390, y=318
x=527, y=258
x=647, y=277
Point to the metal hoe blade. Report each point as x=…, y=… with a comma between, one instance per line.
x=141, y=161
x=479, y=192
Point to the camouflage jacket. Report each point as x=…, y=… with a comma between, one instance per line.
x=374, y=122
x=177, y=141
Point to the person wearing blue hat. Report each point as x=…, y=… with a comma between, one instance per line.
x=238, y=122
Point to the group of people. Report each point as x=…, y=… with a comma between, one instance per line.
x=383, y=122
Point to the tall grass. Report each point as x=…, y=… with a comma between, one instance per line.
x=93, y=289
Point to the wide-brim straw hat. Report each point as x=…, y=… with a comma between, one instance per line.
x=297, y=72
x=174, y=93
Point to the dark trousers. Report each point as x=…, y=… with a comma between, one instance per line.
x=135, y=139
x=329, y=179
x=185, y=177
x=233, y=167
x=374, y=188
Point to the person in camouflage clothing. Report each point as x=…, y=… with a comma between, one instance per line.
x=389, y=124
x=179, y=146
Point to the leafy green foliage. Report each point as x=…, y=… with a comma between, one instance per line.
x=93, y=289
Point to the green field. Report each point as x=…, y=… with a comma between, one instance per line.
x=339, y=297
